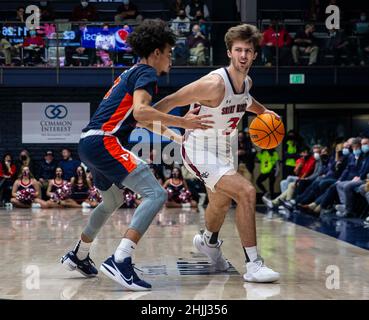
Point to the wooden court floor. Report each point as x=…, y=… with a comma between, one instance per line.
x=312, y=265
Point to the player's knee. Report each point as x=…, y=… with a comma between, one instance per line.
x=248, y=192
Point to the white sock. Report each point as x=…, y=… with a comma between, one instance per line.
x=251, y=253
x=208, y=237
x=82, y=249
x=124, y=250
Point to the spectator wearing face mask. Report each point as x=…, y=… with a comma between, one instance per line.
x=181, y=24
x=127, y=13
x=34, y=48
x=306, y=168
x=337, y=163
x=84, y=11
x=24, y=160
x=26, y=191
x=346, y=189
x=324, y=203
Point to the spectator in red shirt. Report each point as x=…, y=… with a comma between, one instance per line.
x=7, y=175
x=34, y=46
x=276, y=36
x=304, y=168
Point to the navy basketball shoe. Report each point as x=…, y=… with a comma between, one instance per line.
x=85, y=266
x=124, y=274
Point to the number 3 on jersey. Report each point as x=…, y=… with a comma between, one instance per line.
x=233, y=123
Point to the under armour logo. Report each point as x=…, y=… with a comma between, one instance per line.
x=205, y=175
x=228, y=101
x=125, y=157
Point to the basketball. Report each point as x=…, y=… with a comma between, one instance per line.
x=266, y=131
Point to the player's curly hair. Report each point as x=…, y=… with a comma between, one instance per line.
x=151, y=34
x=244, y=32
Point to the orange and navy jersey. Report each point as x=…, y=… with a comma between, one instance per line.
x=114, y=114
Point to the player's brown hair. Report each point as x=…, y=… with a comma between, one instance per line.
x=243, y=32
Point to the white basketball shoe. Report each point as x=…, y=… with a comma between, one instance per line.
x=257, y=271
x=213, y=253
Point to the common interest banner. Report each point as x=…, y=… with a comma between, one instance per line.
x=53, y=122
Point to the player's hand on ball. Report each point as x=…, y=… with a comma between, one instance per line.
x=267, y=111
x=193, y=121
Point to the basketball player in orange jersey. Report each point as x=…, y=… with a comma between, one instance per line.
x=224, y=94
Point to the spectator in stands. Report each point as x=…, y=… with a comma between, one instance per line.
x=20, y=15
x=34, y=47
x=276, y=36
x=46, y=11
x=59, y=192
x=46, y=170
x=336, y=166
x=194, y=6
x=346, y=189
x=290, y=153
x=24, y=160
x=268, y=169
x=81, y=186
x=323, y=204
x=79, y=55
x=361, y=29
x=127, y=13
x=7, y=50
x=26, y=191
x=181, y=24
x=105, y=45
x=178, y=193
x=175, y=7
x=307, y=167
x=305, y=42
x=68, y=164
x=7, y=174
x=202, y=21
x=338, y=45
x=84, y=11
x=197, y=44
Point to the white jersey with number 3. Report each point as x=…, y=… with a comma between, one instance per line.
x=208, y=153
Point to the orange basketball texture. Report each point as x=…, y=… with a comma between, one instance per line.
x=266, y=131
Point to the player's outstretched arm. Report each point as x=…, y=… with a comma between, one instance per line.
x=143, y=112
x=210, y=87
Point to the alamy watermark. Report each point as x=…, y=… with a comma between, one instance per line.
x=33, y=20
x=333, y=281
x=333, y=20
x=32, y=277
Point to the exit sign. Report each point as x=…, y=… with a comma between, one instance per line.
x=297, y=78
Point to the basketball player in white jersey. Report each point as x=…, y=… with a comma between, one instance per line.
x=224, y=94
